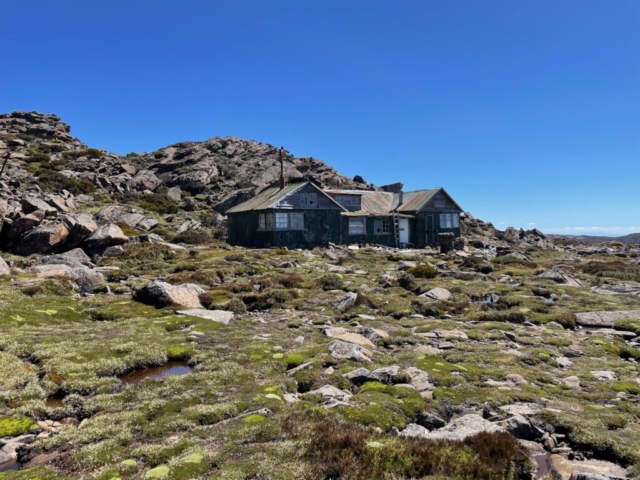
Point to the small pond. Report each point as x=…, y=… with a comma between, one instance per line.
x=543, y=465
x=166, y=370
x=10, y=465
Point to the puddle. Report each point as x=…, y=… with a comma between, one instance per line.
x=10, y=465
x=166, y=370
x=543, y=465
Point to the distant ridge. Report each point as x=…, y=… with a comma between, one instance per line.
x=632, y=238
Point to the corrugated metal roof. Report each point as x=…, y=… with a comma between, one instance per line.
x=374, y=214
x=370, y=202
x=413, y=201
x=266, y=198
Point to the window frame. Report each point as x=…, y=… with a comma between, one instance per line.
x=262, y=221
x=296, y=221
x=357, y=220
x=379, y=226
x=278, y=217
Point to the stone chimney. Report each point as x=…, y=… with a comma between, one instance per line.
x=281, y=169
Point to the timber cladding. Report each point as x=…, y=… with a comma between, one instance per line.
x=304, y=215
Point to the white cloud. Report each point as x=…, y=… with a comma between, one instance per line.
x=531, y=223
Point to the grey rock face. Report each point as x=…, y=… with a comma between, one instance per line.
x=430, y=421
x=220, y=316
x=4, y=268
x=604, y=319
x=43, y=239
x=349, y=351
x=345, y=302
x=106, y=236
x=464, y=427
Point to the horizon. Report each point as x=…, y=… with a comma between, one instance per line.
x=526, y=114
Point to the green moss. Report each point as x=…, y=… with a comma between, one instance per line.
x=628, y=324
x=158, y=473
x=179, y=353
x=13, y=427
x=254, y=419
x=629, y=387
x=293, y=360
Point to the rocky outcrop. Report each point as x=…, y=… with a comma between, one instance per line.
x=43, y=239
x=4, y=268
x=604, y=319
x=106, y=236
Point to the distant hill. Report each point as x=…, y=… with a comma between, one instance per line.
x=632, y=238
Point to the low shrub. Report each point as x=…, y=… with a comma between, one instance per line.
x=89, y=153
x=52, y=181
x=291, y=280
x=236, y=305
x=502, y=316
x=331, y=281
x=193, y=237
x=628, y=324
x=159, y=203
x=423, y=271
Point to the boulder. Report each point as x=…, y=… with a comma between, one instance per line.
x=43, y=239
x=106, y=236
x=349, y=351
x=430, y=421
x=604, y=319
x=75, y=258
x=420, y=380
x=346, y=336
x=345, y=302
x=4, y=268
x=88, y=280
x=81, y=226
x=329, y=391
x=24, y=224
x=162, y=293
x=438, y=294
x=572, y=382
x=464, y=427
x=220, y=316
x=520, y=427
x=389, y=375
x=144, y=180
x=414, y=430
x=373, y=334
x=561, y=277
x=31, y=204
x=604, y=375
x=175, y=194
x=359, y=376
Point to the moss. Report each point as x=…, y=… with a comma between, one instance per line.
x=628, y=387
x=179, y=353
x=158, y=473
x=293, y=360
x=13, y=427
x=254, y=419
x=628, y=324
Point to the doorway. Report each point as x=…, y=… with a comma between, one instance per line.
x=404, y=230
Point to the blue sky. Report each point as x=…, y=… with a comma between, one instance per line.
x=527, y=112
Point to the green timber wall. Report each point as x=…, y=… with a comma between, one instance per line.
x=321, y=227
x=369, y=236
x=420, y=231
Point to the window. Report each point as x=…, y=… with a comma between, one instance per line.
x=449, y=220
x=308, y=198
x=282, y=221
x=348, y=200
x=296, y=220
x=357, y=226
x=381, y=227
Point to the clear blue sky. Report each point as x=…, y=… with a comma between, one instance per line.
x=527, y=112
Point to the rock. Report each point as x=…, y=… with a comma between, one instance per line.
x=610, y=332
x=329, y=391
x=89, y=281
x=464, y=427
x=147, y=224
x=358, y=376
x=344, y=335
x=572, y=382
x=510, y=336
x=520, y=427
x=299, y=368
x=81, y=226
x=158, y=292
x=604, y=375
x=174, y=194
x=345, y=302
x=106, y=236
x=349, y=351
x=414, y=430
x=450, y=334
x=420, y=380
x=565, y=469
x=373, y=334
x=620, y=289
x=144, y=180
x=561, y=277
x=43, y=239
x=51, y=270
x=24, y=224
x=220, y=316
x=438, y=294
x=564, y=362
x=604, y=319
x=75, y=258
x=4, y=268
x=389, y=375
x=430, y=421
x=31, y=204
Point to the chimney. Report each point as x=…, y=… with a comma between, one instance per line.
x=281, y=170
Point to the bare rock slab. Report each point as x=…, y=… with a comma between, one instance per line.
x=220, y=316
x=464, y=427
x=604, y=319
x=349, y=351
x=106, y=236
x=346, y=336
x=4, y=268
